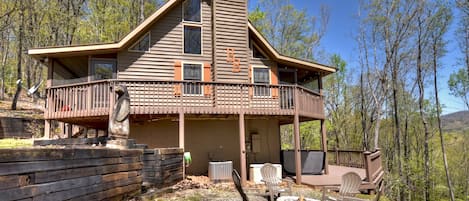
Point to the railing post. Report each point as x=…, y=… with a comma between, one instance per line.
x=367, y=160
x=112, y=100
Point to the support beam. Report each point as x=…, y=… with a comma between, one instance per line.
x=296, y=134
x=181, y=130
x=47, y=129
x=324, y=144
x=181, y=140
x=242, y=148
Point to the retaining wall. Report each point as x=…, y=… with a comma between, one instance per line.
x=162, y=167
x=69, y=174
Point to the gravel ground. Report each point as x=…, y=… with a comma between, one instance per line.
x=199, y=188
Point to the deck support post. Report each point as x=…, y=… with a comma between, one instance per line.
x=181, y=130
x=47, y=129
x=296, y=134
x=324, y=145
x=181, y=140
x=242, y=148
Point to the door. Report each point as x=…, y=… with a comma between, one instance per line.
x=287, y=77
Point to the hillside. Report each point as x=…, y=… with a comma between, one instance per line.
x=456, y=122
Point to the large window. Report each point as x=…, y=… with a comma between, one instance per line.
x=142, y=45
x=192, y=39
x=192, y=72
x=261, y=75
x=103, y=69
x=191, y=10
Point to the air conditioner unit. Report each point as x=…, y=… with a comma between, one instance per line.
x=220, y=171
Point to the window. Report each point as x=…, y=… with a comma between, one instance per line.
x=192, y=40
x=256, y=53
x=191, y=10
x=103, y=69
x=311, y=83
x=192, y=72
x=261, y=76
x=142, y=45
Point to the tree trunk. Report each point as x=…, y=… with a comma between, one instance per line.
x=6, y=47
x=19, y=57
x=440, y=130
x=422, y=114
x=142, y=11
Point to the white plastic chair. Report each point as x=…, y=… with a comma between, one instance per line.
x=348, y=188
x=269, y=177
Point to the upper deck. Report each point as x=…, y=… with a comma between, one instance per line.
x=147, y=97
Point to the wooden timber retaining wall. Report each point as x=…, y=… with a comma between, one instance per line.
x=69, y=174
x=162, y=167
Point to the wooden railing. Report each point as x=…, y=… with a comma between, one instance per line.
x=167, y=97
x=348, y=158
x=374, y=168
x=78, y=100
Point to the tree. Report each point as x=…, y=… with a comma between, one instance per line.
x=292, y=32
x=458, y=84
x=19, y=58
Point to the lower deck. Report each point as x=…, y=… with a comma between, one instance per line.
x=334, y=177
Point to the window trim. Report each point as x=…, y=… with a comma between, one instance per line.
x=192, y=22
x=201, y=77
x=139, y=40
x=201, y=39
x=92, y=71
x=253, y=81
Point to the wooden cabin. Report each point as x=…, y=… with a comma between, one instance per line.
x=200, y=76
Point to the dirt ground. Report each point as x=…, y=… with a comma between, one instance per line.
x=200, y=188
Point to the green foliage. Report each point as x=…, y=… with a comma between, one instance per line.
x=290, y=30
x=458, y=84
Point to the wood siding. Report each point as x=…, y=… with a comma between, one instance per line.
x=166, y=47
x=231, y=32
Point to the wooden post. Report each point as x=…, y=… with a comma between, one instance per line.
x=324, y=146
x=68, y=130
x=181, y=140
x=181, y=129
x=47, y=129
x=296, y=134
x=242, y=147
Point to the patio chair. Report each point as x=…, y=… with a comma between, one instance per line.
x=237, y=182
x=348, y=188
x=269, y=177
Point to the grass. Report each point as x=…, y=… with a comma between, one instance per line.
x=15, y=143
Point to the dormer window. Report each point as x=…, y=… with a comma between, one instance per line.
x=142, y=45
x=191, y=10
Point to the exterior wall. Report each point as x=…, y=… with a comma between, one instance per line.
x=231, y=31
x=212, y=140
x=166, y=37
x=159, y=134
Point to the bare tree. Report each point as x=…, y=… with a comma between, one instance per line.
x=19, y=55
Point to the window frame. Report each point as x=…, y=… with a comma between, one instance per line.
x=93, y=62
x=201, y=39
x=201, y=78
x=140, y=40
x=253, y=81
x=200, y=13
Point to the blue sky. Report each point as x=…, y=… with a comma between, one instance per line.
x=339, y=38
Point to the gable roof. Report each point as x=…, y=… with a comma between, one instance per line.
x=64, y=51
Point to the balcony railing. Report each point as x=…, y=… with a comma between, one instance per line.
x=168, y=97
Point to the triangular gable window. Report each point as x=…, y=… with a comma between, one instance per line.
x=257, y=53
x=142, y=45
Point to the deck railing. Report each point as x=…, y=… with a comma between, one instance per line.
x=348, y=158
x=167, y=97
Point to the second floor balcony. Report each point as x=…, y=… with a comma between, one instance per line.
x=147, y=97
